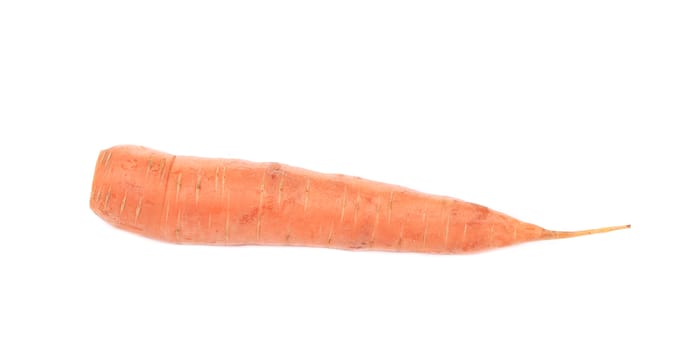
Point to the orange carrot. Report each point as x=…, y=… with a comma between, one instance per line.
x=182, y=199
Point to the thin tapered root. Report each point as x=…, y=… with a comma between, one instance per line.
x=568, y=234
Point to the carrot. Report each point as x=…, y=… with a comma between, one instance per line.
x=182, y=199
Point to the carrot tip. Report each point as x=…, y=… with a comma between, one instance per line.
x=568, y=234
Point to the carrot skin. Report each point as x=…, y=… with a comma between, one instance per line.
x=191, y=200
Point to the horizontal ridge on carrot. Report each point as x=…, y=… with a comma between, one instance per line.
x=191, y=200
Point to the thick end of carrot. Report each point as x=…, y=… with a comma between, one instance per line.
x=568, y=234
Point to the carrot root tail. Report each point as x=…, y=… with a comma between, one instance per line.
x=569, y=234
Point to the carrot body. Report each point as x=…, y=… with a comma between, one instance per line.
x=182, y=199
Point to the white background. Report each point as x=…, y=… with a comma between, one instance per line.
x=557, y=113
